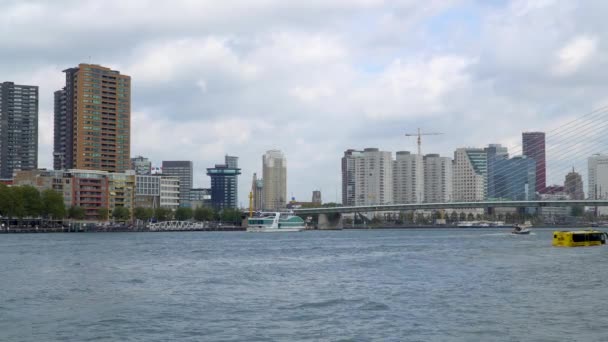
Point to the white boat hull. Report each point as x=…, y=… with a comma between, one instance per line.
x=274, y=230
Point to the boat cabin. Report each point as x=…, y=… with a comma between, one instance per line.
x=579, y=238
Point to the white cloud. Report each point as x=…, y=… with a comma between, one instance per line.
x=575, y=54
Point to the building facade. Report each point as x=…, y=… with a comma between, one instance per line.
x=200, y=197
x=91, y=190
x=438, y=174
x=316, y=197
x=598, y=180
x=470, y=174
x=274, y=173
x=183, y=170
x=494, y=153
x=224, y=184
x=373, y=177
x=348, y=177
x=257, y=193
x=534, y=147
x=141, y=165
x=408, y=178
x=573, y=185
x=93, y=120
x=18, y=128
x=514, y=179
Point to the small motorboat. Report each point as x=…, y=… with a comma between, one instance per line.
x=521, y=229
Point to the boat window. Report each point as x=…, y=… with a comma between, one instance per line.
x=578, y=237
x=555, y=236
x=595, y=237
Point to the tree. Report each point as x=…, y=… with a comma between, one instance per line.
x=32, y=202
x=230, y=215
x=52, y=204
x=453, y=216
x=76, y=213
x=163, y=214
x=121, y=214
x=103, y=213
x=144, y=214
x=462, y=216
x=204, y=214
x=470, y=217
x=183, y=214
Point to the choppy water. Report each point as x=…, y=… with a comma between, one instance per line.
x=389, y=285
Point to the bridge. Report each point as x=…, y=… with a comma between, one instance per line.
x=452, y=205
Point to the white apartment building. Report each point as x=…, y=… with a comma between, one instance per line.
x=274, y=173
x=408, y=178
x=438, y=179
x=373, y=177
x=470, y=174
x=598, y=179
x=169, y=192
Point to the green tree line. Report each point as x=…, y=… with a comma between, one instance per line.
x=184, y=214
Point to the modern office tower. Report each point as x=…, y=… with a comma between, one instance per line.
x=93, y=120
x=257, y=192
x=224, y=184
x=438, y=174
x=373, y=177
x=408, y=178
x=494, y=153
x=183, y=170
x=534, y=147
x=18, y=128
x=573, y=185
x=147, y=191
x=200, y=197
x=316, y=197
x=274, y=173
x=598, y=180
x=141, y=165
x=515, y=179
x=348, y=177
x=470, y=174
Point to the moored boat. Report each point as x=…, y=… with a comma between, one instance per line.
x=275, y=222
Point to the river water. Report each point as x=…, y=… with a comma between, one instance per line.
x=368, y=285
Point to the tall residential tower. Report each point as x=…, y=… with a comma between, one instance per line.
x=534, y=147
x=274, y=173
x=93, y=120
x=18, y=128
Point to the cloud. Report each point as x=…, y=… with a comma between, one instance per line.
x=574, y=54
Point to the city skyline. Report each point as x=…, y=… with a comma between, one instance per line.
x=222, y=88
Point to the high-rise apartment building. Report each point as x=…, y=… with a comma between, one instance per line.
x=573, y=185
x=18, y=128
x=93, y=120
x=534, y=147
x=598, y=179
x=141, y=165
x=348, y=177
x=257, y=193
x=274, y=173
x=408, y=178
x=373, y=177
x=224, y=184
x=181, y=169
x=470, y=174
x=438, y=174
x=494, y=153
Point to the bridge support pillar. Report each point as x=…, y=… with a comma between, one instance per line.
x=323, y=222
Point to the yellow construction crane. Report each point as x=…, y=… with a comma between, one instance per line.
x=419, y=135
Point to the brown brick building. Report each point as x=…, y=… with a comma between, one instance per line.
x=93, y=120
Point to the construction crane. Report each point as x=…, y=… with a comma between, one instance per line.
x=419, y=135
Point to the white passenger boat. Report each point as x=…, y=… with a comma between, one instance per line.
x=275, y=222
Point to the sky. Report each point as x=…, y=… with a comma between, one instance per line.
x=314, y=78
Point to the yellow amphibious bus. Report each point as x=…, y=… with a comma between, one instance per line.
x=579, y=238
